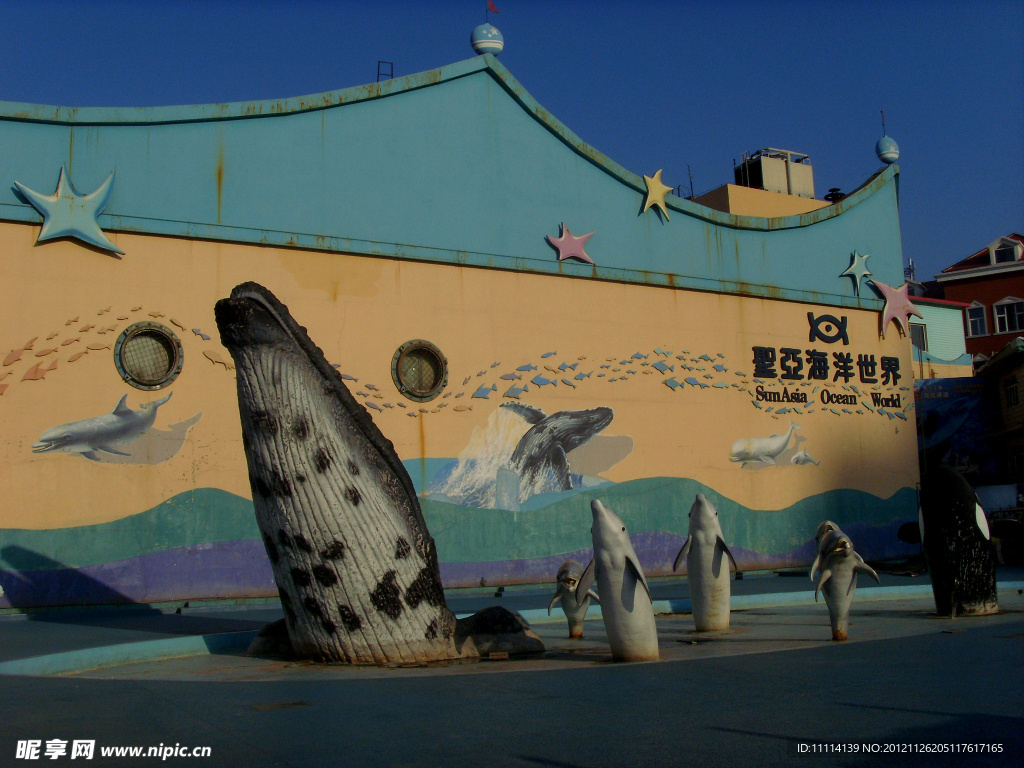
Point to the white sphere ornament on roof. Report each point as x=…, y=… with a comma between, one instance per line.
x=887, y=149
x=487, y=39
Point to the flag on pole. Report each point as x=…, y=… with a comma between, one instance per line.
x=491, y=8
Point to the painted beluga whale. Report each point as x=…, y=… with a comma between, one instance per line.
x=101, y=434
x=763, y=449
x=354, y=563
x=567, y=580
x=626, y=605
x=705, y=553
x=839, y=568
x=545, y=446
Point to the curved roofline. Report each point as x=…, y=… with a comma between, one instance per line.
x=247, y=110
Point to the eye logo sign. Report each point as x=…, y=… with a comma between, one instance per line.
x=828, y=328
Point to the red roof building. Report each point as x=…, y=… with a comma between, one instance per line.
x=991, y=283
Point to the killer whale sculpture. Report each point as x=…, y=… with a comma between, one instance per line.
x=763, y=449
x=626, y=605
x=957, y=545
x=354, y=563
x=546, y=444
x=705, y=552
x=839, y=568
x=101, y=434
x=567, y=580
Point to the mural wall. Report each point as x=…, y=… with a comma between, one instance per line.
x=782, y=413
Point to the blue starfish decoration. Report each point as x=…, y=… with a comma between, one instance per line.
x=69, y=214
x=858, y=269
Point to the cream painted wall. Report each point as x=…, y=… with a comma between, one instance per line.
x=359, y=310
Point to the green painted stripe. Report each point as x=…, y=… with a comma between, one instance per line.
x=197, y=517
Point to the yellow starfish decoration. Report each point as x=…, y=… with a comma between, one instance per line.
x=656, y=191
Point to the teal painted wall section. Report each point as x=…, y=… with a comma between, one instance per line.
x=945, y=332
x=455, y=165
x=203, y=516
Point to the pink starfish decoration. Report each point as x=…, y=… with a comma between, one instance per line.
x=897, y=306
x=569, y=246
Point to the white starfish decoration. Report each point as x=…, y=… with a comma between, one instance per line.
x=858, y=269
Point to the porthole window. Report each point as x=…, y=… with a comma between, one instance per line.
x=420, y=370
x=148, y=355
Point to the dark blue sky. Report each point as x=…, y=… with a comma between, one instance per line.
x=650, y=84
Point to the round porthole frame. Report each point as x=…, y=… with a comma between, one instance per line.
x=171, y=343
x=414, y=346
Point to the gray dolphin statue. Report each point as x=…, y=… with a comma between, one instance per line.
x=101, y=434
x=547, y=443
x=705, y=552
x=568, y=578
x=839, y=568
x=626, y=605
x=355, y=565
x=824, y=527
x=763, y=449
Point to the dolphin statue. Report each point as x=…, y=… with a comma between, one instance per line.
x=705, y=551
x=824, y=527
x=546, y=444
x=763, y=449
x=568, y=578
x=838, y=582
x=101, y=433
x=355, y=565
x=626, y=598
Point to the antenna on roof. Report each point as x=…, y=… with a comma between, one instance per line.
x=909, y=271
x=389, y=73
x=690, y=174
x=883, y=122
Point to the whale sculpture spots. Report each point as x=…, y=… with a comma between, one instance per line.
x=402, y=548
x=424, y=589
x=265, y=423
x=349, y=619
x=385, y=596
x=301, y=577
x=431, y=632
x=352, y=494
x=352, y=468
x=334, y=551
x=284, y=539
x=325, y=575
x=312, y=607
x=301, y=543
x=322, y=460
x=272, y=552
x=301, y=429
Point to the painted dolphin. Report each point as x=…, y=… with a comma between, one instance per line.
x=568, y=578
x=626, y=598
x=763, y=449
x=354, y=563
x=547, y=443
x=802, y=456
x=705, y=551
x=838, y=582
x=101, y=433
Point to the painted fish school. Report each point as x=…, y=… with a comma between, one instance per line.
x=531, y=324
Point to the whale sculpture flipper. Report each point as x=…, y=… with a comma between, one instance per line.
x=554, y=601
x=865, y=568
x=825, y=576
x=585, y=583
x=725, y=548
x=638, y=573
x=683, y=552
x=593, y=596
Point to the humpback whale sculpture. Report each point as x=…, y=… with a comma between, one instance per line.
x=568, y=579
x=839, y=567
x=544, y=447
x=626, y=605
x=101, y=434
x=705, y=552
x=354, y=563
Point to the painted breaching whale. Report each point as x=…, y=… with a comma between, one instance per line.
x=101, y=434
x=705, y=552
x=567, y=580
x=838, y=582
x=354, y=563
x=763, y=449
x=544, y=447
x=626, y=605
